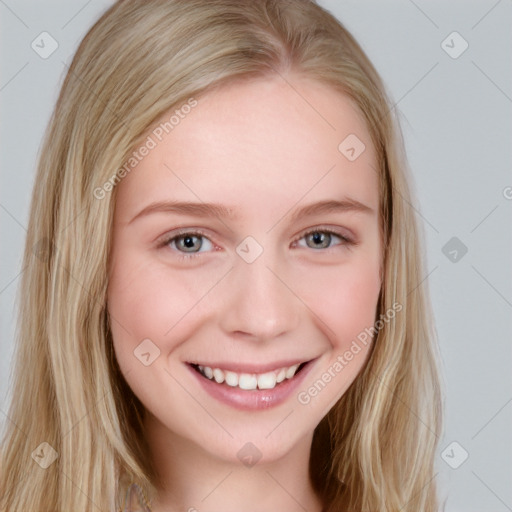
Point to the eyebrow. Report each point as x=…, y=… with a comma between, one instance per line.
x=331, y=206
x=221, y=211
x=187, y=208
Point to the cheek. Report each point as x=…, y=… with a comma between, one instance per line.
x=353, y=307
x=345, y=299
x=146, y=302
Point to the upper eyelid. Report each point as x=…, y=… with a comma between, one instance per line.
x=333, y=231
x=167, y=238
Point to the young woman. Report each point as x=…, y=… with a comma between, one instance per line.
x=221, y=307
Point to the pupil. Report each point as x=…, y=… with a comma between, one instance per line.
x=189, y=242
x=320, y=240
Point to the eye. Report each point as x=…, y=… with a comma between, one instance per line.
x=323, y=239
x=188, y=243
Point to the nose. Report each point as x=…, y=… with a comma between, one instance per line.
x=259, y=302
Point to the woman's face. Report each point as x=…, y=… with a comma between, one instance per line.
x=245, y=263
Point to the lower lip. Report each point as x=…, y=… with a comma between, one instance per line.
x=255, y=399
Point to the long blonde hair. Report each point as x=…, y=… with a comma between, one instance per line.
x=374, y=451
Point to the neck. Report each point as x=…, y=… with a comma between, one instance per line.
x=195, y=480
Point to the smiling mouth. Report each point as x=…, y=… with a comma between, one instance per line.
x=249, y=381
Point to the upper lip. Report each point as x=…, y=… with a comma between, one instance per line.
x=238, y=367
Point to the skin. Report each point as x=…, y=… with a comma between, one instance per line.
x=263, y=149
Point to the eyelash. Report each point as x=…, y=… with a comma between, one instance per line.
x=345, y=241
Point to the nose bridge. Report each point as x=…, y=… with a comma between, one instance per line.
x=260, y=304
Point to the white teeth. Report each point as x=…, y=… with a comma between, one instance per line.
x=267, y=380
x=249, y=381
x=218, y=375
x=246, y=381
x=231, y=379
x=290, y=372
x=281, y=375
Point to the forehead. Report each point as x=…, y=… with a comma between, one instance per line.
x=251, y=143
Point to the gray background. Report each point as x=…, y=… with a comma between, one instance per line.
x=456, y=117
